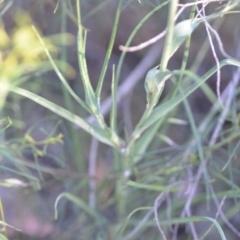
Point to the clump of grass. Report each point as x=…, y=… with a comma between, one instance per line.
x=148, y=179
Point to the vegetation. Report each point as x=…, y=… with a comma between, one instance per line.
x=99, y=143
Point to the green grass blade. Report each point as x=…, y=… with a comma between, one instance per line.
x=124, y=225
x=81, y=49
x=134, y=32
x=76, y=146
x=234, y=153
x=221, y=233
x=59, y=74
x=167, y=52
x=113, y=113
x=152, y=187
x=2, y=237
x=80, y=203
x=109, y=50
x=198, y=140
x=90, y=96
x=162, y=110
x=196, y=219
x=96, y=9
x=181, y=32
x=143, y=143
x=225, y=180
x=93, y=130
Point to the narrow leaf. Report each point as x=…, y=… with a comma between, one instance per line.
x=160, y=111
x=152, y=187
x=95, y=131
x=181, y=31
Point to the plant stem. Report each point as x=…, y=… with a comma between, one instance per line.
x=68, y=101
x=168, y=42
x=109, y=51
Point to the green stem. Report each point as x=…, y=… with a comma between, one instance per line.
x=168, y=42
x=164, y=61
x=90, y=97
x=81, y=49
x=185, y=57
x=2, y=217
x=69, y=104
x=109, y=51
x=121, y=187
x=113, y=113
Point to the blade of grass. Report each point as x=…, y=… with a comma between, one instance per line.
x=225, y=141
x=76, y=146
x=184, y=220
x=198, y=140
x=175, y=37
x=152, y=187
x=134, y=32
x=95, y=131
x=160, y=111
x=145, y=140
x=80, y=203
x=2, y=237
x=63, y=80
x=225, y=180
x=169, y=37
x=96, y=9
x=3, y=217
x=196, y=219
x=90, y=96
x=81, y=50
x=109, y=51
x=113, y=113
x=124, y=225
x=234, y=152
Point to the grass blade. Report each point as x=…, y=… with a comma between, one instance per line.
x=91, y=129
x=109, y=51
x=59, y=74
x=162, y=110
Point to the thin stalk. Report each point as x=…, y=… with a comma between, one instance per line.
x=90, y=97
x=149, y=135
x=164, y=61
x=224, y=142
x=3, y=217
x=121, y=187
x=109, y=51
x=197, y=137
x=113, y=121
x=59, y=74
x=134, y=32
x=69, y=104
x=168, y=42
x=185, y=57
x=81, y=49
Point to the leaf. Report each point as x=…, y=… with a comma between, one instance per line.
x=181, y=31
x=160, y=111
x=59, y=74
x=143, y=142
x=196, y=219
x=152, y=187
x=80, y=203
x=95, y=131
x=2, y=237
x=154, y=84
